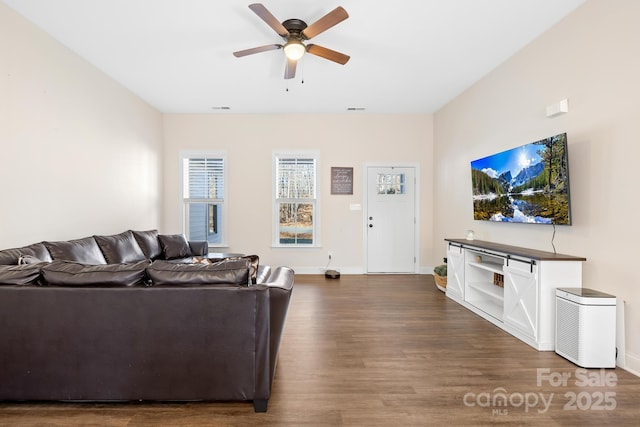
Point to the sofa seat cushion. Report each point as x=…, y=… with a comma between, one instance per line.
x=174, y=246
x=163, y=273
x=27, y=274
x=149, y=243
x=120, y=248
x=254, y=263
x=65, y=273
x=36, y=250
x=85, y=251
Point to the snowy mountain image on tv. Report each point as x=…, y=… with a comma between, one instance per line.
x=528, y=184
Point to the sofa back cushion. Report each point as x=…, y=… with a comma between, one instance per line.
x=85, y=251
x=174, y=246
x=65, y=273
x=164, y=273
x=120, y=248
x=27, y=274
x=36, y=250
x=149, y=243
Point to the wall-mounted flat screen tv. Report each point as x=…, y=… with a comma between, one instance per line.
x=527, y=184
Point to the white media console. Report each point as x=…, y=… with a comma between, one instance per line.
x=512, y=287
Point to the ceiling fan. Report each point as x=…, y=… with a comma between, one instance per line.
x=295, y=32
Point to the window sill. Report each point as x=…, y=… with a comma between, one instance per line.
x=276, y=246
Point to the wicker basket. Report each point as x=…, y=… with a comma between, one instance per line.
x=441, y=282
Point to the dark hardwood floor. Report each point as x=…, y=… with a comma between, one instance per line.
x=387, y=350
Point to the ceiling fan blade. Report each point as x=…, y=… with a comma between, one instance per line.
x=332, y=18
x=290, y=69
x=259, y=49
x=271, y=20
x=329, y=54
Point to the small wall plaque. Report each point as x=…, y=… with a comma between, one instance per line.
x=341, y=180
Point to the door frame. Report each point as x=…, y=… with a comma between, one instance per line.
x=365, y=208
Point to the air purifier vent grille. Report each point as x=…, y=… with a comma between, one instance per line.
x=568, y=329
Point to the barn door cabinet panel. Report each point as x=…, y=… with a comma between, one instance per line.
x=455, y=273
x=510, y=286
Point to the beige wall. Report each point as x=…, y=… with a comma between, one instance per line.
x=342, y=140
x=80, y=155
x=592, y=59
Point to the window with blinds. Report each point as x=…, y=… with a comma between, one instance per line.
x=203, y=194
x=296, y=200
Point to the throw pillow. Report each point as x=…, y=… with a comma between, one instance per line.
x=64, y=273
x=202, y=260
x=120, y=248
x=174, y=246
x=254, y=261
x=28, y=259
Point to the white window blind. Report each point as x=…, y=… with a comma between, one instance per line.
x=203, y=192
x=203, y=178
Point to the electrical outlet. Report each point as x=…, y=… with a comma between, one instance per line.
x=330, y=255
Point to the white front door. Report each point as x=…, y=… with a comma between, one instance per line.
x=390, y=220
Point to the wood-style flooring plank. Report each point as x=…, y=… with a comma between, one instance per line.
x=385, y=350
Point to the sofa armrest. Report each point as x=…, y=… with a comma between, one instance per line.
x=199, y=248
x=281, y=277
x=280, y=287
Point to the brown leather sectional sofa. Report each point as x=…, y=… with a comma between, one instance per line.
x=88, y=320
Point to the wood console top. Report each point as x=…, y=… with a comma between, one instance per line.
x=516, y=250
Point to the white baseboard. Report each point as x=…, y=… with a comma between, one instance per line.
x=425, y=270
x=321, y=270
x=347, y=270
x=632, y=363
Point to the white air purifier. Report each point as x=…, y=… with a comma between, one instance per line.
x=586, y=327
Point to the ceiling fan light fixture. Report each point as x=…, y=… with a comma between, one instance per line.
x=294, y=49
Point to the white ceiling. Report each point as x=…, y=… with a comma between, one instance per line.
x=407, y=56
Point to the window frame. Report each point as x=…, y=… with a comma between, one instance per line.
x=184, y=220
x=299, y=154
